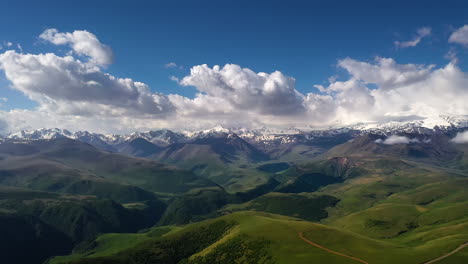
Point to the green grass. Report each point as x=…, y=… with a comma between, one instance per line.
x=457, y=258
x=110, y=244
x=276, y=240
x=382, y=210
x=36, y=225
x=304, y=206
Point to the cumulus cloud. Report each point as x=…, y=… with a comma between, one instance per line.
x=385, y=72
x=394, y=139
x=82, y=42
x=71, y=86
x=460, y=36
x=461, y=138
x=405, y=90
x=246, y=90
x=76, y=93
x=420, y=34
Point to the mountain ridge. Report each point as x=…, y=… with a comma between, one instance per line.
x=267, y=140
x=164, y=137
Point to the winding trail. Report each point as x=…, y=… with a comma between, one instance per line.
x=301, y=235
x=462, y=246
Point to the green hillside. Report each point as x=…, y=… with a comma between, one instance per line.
x=69, y=166
x=47, y=224
x=229, y=162
x=305, y=206
x=368, y=205
x=252, y=237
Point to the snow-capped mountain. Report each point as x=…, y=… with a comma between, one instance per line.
x=421, y=126
x=215, y=132
x=42, y=133
x=160, y=138
x=262, y=137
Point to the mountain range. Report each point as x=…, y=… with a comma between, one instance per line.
x=261, y=137
x=200, y=197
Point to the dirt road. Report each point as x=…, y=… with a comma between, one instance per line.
x=448, y=254
x=301, y=235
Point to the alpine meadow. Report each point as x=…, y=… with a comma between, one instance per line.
x=233, y=132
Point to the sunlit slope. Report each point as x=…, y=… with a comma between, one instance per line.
x=253, y=237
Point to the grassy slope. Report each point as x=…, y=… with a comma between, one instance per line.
x=407, y=210
x=285, y=246
x=457, y=258
x=44, y=224
x=394, y=211
x=420, y=208
x=45, y=175
x=70, y=166
x=110, y=244
x=150, y=175
x=305, y=206
x=234, y=171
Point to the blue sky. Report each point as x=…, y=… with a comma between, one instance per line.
x=302, y=39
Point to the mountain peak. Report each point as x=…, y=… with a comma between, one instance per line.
x=41, y=133
x=263, y=135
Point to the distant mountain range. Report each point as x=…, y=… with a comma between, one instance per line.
x=265, y=139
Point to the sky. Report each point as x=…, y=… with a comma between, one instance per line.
x=120, y=66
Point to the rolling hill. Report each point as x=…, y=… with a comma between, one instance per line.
x=71, y=166
x=365, y=200
x=253, y=237
x=45, y=224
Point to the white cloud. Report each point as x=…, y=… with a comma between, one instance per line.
x=175, y=79
x=461, y=138
x=68, y=85
x=173, y=65
x=460, y=36
x=403, y=92
x=6, y=44
x=76, y=94
x=394, y=139
x=82, y=42
x=386, y=73
x=170, y=65
x=452, y=56
x=420, y=34
x=245, y=90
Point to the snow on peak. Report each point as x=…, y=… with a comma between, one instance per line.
x=42, y=133
x=262, y=135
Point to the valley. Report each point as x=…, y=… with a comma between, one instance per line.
x=345, y=198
